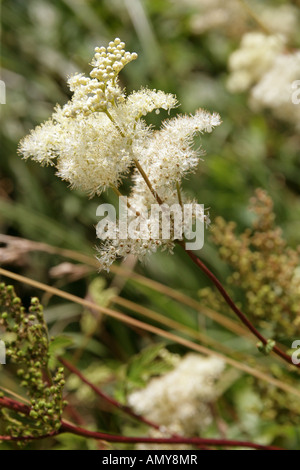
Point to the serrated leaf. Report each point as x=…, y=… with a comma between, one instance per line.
x=145, y=365
x=100, y=295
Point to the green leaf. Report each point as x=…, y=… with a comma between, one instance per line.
x=99, y=293
x=57, y=347
x=60, y=342
x=146, y=364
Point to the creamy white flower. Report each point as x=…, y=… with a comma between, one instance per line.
x=100, y=134
x=181, y=397
x=170, y=154
x=42, y=143
x=101, y=91
x=253, y=59
x=274, y=91
x=145, y=101
x=139, y=242
x=90, y=152
x=94, y=137
x=264, y=66
x=153, y=227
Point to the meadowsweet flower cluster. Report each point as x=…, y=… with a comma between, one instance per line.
x=100, y=135
x=253, y=59
x=179, y=400
x=263, y=66
x=275, y=89
x=146, y=231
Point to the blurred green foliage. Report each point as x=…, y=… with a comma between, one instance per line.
x=43, y=42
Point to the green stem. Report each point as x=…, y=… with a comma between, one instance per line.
x=179, y=194
x=114, y=122
x=137, y=164
x=119, y=194
x=147, y=181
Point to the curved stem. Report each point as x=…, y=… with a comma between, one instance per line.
x=120, y=195
x=147, y=181
x=70, y=428
x=112, y=401
x=66, y=427
x=234, y=307
x=114, y=122
x=105, y=397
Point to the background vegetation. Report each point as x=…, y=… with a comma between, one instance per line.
x=42, y=43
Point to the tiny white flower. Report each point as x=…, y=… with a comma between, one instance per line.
x=255, y=56
x=181, y=397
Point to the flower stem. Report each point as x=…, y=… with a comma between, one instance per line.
x=171, y=440
x=147, y=181
x=179, y=194
x=119, y=194
x=114, y=122
x=106, y=397
x=233, y=306
x=67, y=427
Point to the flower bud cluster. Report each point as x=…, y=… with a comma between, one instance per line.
x=28, y=348
x=264, y=268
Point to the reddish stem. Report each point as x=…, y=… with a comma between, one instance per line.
x=14, y=405
x=233, y=306
x=29, y=438
x=170, y=440
x=105, y=397
x=70, y=428
x=112, y=401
